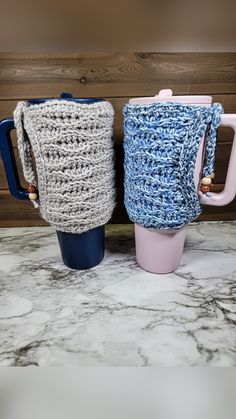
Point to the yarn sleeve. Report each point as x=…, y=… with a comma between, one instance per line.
x=24, y=146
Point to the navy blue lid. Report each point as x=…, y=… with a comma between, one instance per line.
x=68, y=97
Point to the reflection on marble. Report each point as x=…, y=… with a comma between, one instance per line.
x=116, y=314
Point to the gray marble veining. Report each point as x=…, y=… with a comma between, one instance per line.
x=116, y=314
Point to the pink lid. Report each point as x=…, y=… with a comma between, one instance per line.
x=166, y=95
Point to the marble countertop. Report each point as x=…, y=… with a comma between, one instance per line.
x=117, y=314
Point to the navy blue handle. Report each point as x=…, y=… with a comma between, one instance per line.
x=9, y=161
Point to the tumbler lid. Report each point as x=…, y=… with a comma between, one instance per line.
x=68, y=97
x=166, y=95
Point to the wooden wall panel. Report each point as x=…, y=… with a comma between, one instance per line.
x=116, y=77
x=228, y=101
x=15, y=213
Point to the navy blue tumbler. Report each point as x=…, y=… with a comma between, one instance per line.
x=79, y=251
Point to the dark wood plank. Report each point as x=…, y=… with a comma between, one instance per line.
x=116, y=75
x=228, y=101
x=3, y=180
x=227, y=213
x=209, y=213
x=222, y=159
x=15, y=213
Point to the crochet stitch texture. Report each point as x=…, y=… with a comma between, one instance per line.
x=72, y=146
x=161, y=145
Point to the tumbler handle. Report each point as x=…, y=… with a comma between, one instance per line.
x=229, y=192
x=9, y=161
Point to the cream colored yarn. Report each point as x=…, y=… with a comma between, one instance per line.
x=72, y=146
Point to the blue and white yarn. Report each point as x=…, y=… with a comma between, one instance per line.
x=161, y=146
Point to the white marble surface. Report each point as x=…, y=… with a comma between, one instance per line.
x=116, y=314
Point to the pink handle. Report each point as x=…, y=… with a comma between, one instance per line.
x=229, y=192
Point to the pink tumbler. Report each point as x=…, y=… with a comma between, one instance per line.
x=161, y=251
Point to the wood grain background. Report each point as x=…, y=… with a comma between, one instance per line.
x=116, y=77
